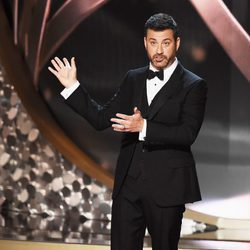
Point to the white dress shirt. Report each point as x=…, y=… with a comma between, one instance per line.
x=153, y=86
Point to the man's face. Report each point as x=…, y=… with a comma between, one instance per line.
x=161, y=47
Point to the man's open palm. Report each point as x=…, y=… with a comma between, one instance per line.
x=64, y=71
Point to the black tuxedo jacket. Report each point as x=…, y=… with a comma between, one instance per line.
x=174, y=119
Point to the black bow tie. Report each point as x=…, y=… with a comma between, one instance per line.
x=152, y=74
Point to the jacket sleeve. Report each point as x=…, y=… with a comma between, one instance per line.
x=185, y=132
x=97, y=115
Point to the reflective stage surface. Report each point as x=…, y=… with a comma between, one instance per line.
x=76, y=229
x=72, y=228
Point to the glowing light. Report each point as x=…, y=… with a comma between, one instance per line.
x=237, y=207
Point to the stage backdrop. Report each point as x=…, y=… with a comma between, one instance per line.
x=109, y=42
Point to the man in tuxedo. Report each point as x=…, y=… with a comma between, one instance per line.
x=159, y=109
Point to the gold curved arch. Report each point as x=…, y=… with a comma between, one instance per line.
x=227, y=30
x=18, y=74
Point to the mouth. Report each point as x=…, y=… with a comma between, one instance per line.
x=159, y=59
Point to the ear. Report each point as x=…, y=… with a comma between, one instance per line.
x=178, y=42
x=145, y=42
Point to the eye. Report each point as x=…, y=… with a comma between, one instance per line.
x=153, y=43
x=166, y=43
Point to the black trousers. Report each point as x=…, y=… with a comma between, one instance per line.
x=133, y=211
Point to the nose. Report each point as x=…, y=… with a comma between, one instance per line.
x=159, y=49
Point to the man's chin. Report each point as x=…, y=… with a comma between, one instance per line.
x=160, y=65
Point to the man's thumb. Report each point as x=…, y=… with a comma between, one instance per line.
x=136, y=110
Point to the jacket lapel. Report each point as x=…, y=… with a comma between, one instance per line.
x=172, y=87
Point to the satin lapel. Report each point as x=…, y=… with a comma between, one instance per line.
x=172, y=87
x=140, y=86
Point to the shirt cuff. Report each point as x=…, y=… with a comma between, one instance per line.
x=142, y=134
x=68, y=91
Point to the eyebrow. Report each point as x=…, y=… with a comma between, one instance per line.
x=166, y=39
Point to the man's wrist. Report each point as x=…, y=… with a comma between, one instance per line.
x=74, y=83
x=68, y=91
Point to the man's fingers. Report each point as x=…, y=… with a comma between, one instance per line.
x=73, y=63
x=57, y=67
x=123, y=116
x=127, y=123
x=53, y=71
x=119, y=121
x=118, y=126
x=119, y=130
x=59, y=62
x=66, y=62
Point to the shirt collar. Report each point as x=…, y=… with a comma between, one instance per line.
x=168, y=71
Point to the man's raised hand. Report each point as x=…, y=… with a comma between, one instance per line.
x=128, y=123
x=64, y=71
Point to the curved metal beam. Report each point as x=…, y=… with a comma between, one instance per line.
x=36, y=32
x=64, y=21
x=227, y=31
x=18, y=74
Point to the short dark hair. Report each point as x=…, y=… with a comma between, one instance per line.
x=161, y=21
